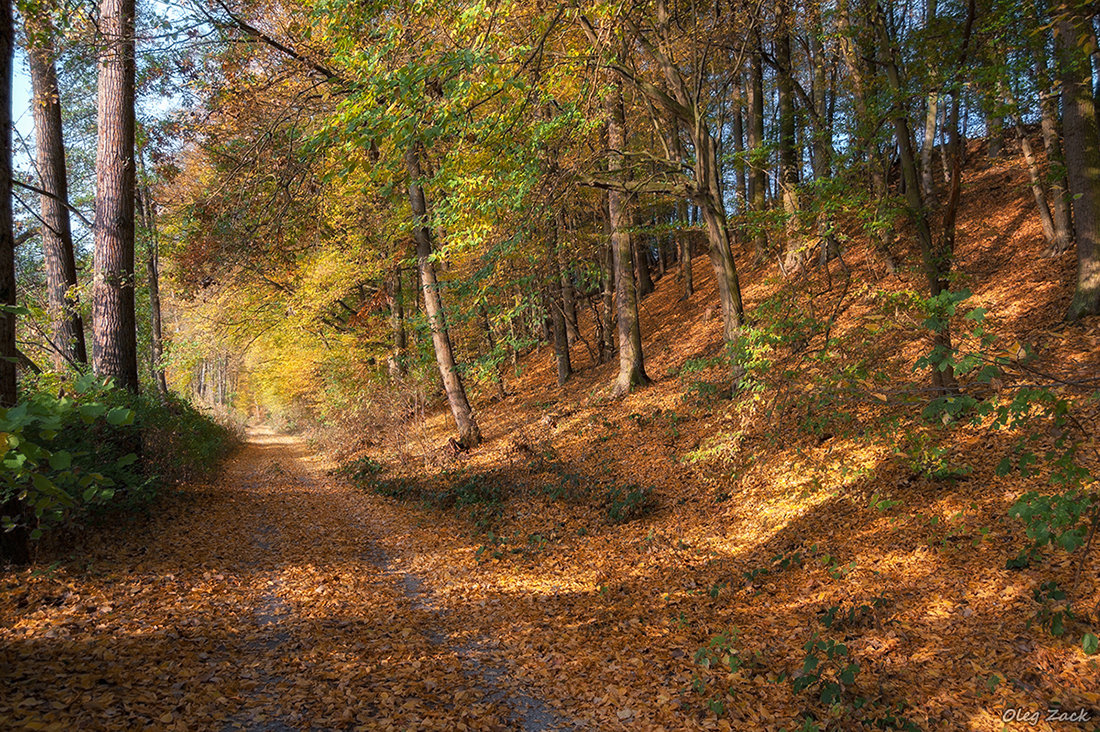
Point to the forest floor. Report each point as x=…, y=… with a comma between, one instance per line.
x=274, y=599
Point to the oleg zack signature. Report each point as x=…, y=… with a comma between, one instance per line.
x=1053, y=714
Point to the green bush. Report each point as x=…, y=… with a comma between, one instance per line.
x=76, y=447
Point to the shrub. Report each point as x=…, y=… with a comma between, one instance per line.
x=629, y=503
x=79, y=447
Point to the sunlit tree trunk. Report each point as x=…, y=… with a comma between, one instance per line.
x=1052, y=143
x=468, y=432
x=114, y=334
x=66, y=324
x=794, y=257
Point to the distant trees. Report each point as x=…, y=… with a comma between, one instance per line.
x=785, y=135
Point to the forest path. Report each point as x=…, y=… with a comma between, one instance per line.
x=265, y=603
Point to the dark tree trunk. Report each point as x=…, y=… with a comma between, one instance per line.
x=757, y=183
x=395, y=294
x=57, y=240
x=631, y=367
x=640, y=244
x=555, y=303
x=468, y=432
x=685, y=250
x=114, y=341
x=1074, y=41
x=13, y=544
x=152, y=261
x=607, y=285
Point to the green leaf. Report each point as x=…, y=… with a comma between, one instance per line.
x=61, y=460
x=128, y=459
x=120, y=416
x=1090, y=644
x=89, y=493
x=92, y=411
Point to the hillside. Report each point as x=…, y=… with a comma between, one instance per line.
x=760, y=526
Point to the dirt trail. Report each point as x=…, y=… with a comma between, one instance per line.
x=265, y=603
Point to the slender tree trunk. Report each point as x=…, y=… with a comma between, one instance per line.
x=607, y=283
x=468, y=432
x=555, y=302
x=640, y=244
x=794, y=257
x=1052, y=143
x=396, y=295
x=855, y=54
x=57, y=240
x=757, y=183
x=936, y=259
x=928, y=189
x=1074, y=40
x=152, y=265
x=114, y=342
x=13, y=544
x=631, y=366
x=685, y=250
x=739, y=146
x=491, y=340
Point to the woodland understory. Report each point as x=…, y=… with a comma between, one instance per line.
x=552, y=365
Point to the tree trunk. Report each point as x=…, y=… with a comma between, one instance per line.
x=1052, y=143
x=468, y=432
x=1074, y=39
x=57, y=239
x=13, y=544
x=640, y=244
x=152, y=265
x=794, y=257
x=555, y=302
x=631, y=367
x=757, y=183
x=114, y=335
x=395, y=294
x=607, y=283
x=928, y=189
x=936, y=260
x=855, y=54
x=685, y=250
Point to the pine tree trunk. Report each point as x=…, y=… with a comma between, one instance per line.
x=114, y=334
x=631, y=366
x=67, y=327
x=1074, y=40
x=468, y=432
